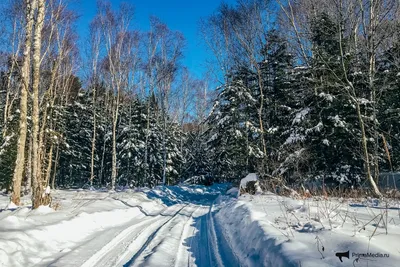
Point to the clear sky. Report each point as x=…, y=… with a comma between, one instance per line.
x=181, y=15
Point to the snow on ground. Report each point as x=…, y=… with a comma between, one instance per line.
x=269, y=230
x=197, y=226
x=146, y=227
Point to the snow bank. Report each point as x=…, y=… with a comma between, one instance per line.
x=234, y=191
x=268, y=230
x=247, y=238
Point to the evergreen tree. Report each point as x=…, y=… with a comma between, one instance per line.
x=233, y=134
x=75, y=159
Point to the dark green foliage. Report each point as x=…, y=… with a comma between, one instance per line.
x=74, y=162
x=233, y=136
x=310, y=120
x=139, y=143
x=8, y=148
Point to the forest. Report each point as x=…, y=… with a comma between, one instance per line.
x=298, y=91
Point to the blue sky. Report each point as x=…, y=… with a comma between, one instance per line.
x=179, y=15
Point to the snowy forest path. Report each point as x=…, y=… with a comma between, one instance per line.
x=182, y=234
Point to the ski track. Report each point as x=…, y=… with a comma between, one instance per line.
x=129, y=239
x=180, y=235
x=161, y=240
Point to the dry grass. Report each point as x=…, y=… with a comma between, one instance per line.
x=55, y=205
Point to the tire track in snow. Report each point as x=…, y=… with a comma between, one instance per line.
x=109, y=255
x=184, y=234
x=159, y=240
x=210, y=246
x=200, y=246
x=151, y=243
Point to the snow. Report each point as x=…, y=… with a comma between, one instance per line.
x=269, y=230
x=338, y=121
x=328, y=97
x=294, y=138
x=316, y=128
x=251, y=177
x=6, y=143
x=326, y=142
x=300, y=115
x=363, y=101
x=193, y=225
x=233, y=191
x=272, y=130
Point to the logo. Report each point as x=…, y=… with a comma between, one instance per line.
x=341, y=255
x=359, y=256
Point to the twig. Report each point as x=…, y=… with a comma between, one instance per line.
x=376, y=227
x=363, y=227
x=323, y=248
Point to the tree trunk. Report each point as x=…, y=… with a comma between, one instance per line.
x=49, y=165
x=366, y=154
x=260, y=118
x=43, y=127
x=20, y=161
x=102, y=161
x=96, y=41
x=371, y=77
x=146, y=148
x=38, y=195
x=114, y=143
x=28, y=170
x=353, y=96
x=93, y=136
x=53, y=181
x=164, y=173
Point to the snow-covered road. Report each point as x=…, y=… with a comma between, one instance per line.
x=167, y=239
x=150, y=228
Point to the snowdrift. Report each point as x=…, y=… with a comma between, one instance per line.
x=269, y=230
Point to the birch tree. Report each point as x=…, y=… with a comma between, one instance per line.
x=38, y=189
x=118, y=47
x=94, y=41
x=162, y=54
x=30, y=6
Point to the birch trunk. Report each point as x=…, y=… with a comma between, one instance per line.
x=25, y=75
x=38, y=196
x=28, y=170
x=53, y=181
x=353, y=96
x=93, y=137
x=114, y=143
x=95, y=48
x=49, y=165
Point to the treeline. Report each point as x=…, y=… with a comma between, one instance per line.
x=128, y=120
x=310, y=91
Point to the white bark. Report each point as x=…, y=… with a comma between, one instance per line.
x=37, y=185
x=25, y=76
